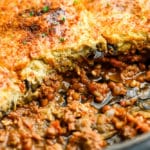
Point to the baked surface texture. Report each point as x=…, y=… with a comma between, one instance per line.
x=39, y=35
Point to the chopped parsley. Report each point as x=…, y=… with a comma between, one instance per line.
x=45, y=9
x=61, y=39
x=75, y=2
x=31, y=13
x=63, y=19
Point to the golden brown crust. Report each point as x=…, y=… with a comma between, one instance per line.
x=27, y=31
x=123, y=21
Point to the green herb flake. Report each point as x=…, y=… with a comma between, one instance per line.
x=45, y=9
x=61, y=39
x=75, y=2
x=31, y=13
x=63, y=19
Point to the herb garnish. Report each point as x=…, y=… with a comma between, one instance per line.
x=61, y=39
x=31, y=13
x=45, y=9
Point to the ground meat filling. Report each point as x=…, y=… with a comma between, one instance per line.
x=101, y=102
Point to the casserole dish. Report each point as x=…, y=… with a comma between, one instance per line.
x=74, y=74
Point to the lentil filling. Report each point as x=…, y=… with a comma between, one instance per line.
x=103, y=101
